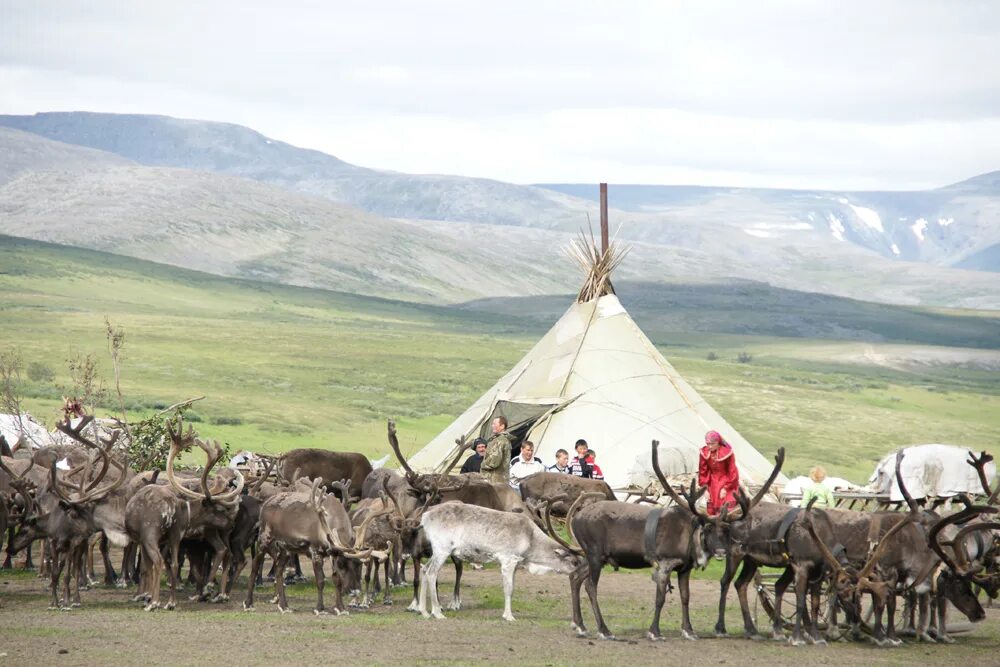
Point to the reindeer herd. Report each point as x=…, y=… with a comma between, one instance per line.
x=333, y=507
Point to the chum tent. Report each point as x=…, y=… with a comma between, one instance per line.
x=596, y=376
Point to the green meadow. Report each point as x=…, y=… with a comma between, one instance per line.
x=285, y=367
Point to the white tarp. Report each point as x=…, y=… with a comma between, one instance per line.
x=616, y=391
x=935, y=471
x=23, y=432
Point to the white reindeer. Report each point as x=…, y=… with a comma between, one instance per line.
x=482, y=535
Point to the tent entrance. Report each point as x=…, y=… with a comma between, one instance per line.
x=521, y=418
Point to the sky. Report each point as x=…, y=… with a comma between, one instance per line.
x=833, y=95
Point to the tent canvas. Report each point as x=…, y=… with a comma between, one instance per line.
x=930, y=471
x=609, y=384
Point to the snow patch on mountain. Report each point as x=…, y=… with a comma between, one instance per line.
x=836, y=227
x=944, y=222
x=869, y=217
x=895, y=249
x=759, y=233
x=918, y=228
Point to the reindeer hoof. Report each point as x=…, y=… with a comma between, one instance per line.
x=285, y=610
x=945, y=639
x=274, y=600
x=53, y=607
x=221, y=597
x=196, y=598
x=796, y=641
x=925, y=637
x=413, y=606
x=817, y=641
x=608, y=637
x=506, y=617
x=579, y=630
x=778, y=636
x=152, y=606
x=76, y=604
x=893, y=642
x=387, y=602
x=321, y=612
x=342, y=612
x=121, y=583
x=425, y=614
x=653, y=637
x=170, y=606
x=65, y=608
x=456, y=605
x=691, y=636
x=247, y=607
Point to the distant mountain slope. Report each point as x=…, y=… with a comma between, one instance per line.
x=239, y=151
x=21, y=152
x=941, y=227
x=203, y=219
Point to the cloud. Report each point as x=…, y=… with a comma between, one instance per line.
x=899, y=94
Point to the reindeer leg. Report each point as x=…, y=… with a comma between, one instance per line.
x=366, y=593
x=508, y=566
x=923, y=602
x=780, y=586
x=727, y=576
x=801, y=608
x=456, y=598
x=110, y=577
x=661, y=576
x=742, y=581
x=81, y=563
x=415, y=604
x=154, y=565
x=173, y=573
x=591, y=583
x=57, y=567
x=317, y=563
x=430, y=583
x=890, y=605
x=576, y=580
x=387, y=598
x=942, y=619
x=255, y=568
x=279, y=583
x=878, y=604
x=684, y=584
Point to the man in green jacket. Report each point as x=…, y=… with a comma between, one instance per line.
x=496, y=462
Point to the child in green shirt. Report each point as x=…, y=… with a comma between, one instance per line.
x=817, y=490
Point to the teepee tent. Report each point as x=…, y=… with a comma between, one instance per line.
x=596, y=376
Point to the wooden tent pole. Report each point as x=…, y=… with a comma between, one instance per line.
x=604, y=218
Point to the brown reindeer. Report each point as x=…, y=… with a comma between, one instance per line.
x=158, y=517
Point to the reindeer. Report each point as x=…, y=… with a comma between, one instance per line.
x=66, y=516
x=325, y=465
x=305, y=521
x=382, y=533
x=560, y=490
x=482, y=535
x=907, y=558
x=161, y=516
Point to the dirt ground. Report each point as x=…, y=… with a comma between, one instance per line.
x=111, y=630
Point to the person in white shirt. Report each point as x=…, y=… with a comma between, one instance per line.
x=562, y=462
x=525, y=464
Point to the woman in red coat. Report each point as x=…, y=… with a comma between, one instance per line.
x=717, y=470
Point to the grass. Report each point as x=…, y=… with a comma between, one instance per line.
x=287, y=367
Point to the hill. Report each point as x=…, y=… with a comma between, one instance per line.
x=241, y=227
x=941, y=227
x=284, y=367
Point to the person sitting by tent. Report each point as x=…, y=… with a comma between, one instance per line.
x=525, y=464
x=496, y=462
x=818, y=490
x=584, y=466
x=578, y=462
x=562, y=462
x=717, y=470
x=473, y=463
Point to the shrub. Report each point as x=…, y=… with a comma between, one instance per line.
x=712, y=356
x=192, y=416
x=227, y=421
x=744, y=357
x=39, y=372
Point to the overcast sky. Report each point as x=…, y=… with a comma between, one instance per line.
x=839, y=95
